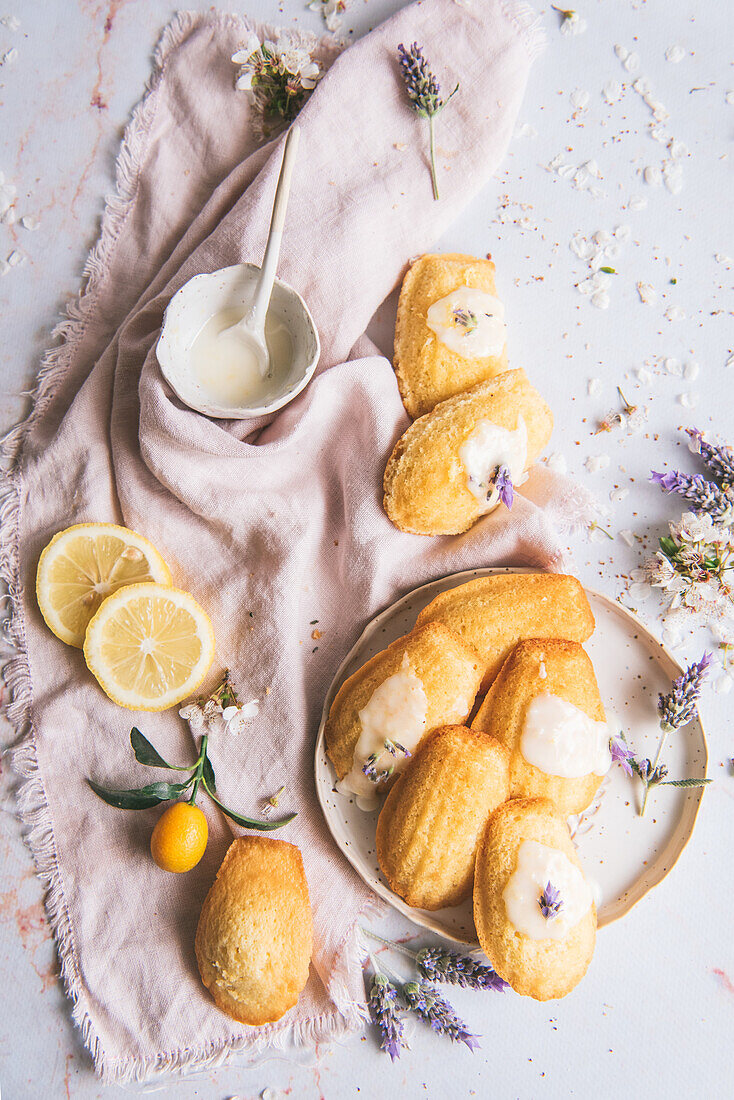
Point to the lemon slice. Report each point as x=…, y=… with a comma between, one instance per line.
x=82, y=565
x=149, y=646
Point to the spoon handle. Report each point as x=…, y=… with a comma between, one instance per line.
x=264, y=287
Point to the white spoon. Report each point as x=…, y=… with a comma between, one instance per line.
x=249, y=333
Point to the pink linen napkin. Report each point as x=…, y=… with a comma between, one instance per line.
x=269, y=529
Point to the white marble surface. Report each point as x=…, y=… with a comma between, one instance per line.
x=654, y=1015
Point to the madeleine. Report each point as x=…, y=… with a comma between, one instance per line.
x=438, y=477
x=427, y=370
x=533, y=909
x=546, y=709
x=430, y=825
x=492, y=614
x=426, y=679
x=254, y=938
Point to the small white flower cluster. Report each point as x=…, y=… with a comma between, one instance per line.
x=694, y=576
x=211, y=718
x=598, y=250
x=281, y=58
x=9, y=216
x=332, y=11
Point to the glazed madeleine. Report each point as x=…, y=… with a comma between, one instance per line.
x=546, y=708
x=430, y=825
x=441, y=476
x=428, y=370
x=254, y=938
x=492, y=614
x=428, y=678
x=533, y=909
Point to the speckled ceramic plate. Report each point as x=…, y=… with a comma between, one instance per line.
x=625, y=854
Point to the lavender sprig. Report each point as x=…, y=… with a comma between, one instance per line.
x=676, y=709
x=383, y=1006
x=424, y=94
x=437, y=965
x=502, y=482
x=705, y=496
x=621, y=753
x=719, y=459
x=426, y=1001
x=550, y=902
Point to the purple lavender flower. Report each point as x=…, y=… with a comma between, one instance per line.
x=550, y=902
x=396, y=749
x=383, y=1006
x=679, y=705
x=424, y=94
x=438, y=965
x=465, y=318
x=719, y=459
x=621, y=753
x=374, y=773
x=705, y=496
x=427, y=1002
x=502, y=482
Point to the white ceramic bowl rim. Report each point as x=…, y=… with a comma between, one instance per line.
x=302, y=328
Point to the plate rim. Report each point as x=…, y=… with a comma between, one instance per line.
x=424, y=920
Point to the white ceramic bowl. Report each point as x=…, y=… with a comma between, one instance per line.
x=231, y=288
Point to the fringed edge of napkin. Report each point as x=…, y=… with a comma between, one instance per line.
x=34, y=813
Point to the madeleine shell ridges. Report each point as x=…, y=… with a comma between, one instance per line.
x=255, y=934
x=425, y=482
x=492, y=614
x=430, y=825
x=447, y=666
x=535, y=667
x=427, y=371
x=542, y=969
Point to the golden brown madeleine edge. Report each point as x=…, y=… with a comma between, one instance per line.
x=455, y=738
x=541, y=969
x=569, y=675
x=340, y=732
x=504, y=591
x=273, y=854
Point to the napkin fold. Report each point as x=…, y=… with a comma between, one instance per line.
x=271, y=525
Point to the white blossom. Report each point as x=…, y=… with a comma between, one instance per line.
x=236, y=718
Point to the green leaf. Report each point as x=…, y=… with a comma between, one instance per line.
x=685, y=782
x=208, y=774
x=146, y=754
x=608, y=270
x=668, y=546
x=140, y=798
x=249, y=822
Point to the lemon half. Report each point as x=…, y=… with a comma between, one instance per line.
x=149, y=646
x=83, y=565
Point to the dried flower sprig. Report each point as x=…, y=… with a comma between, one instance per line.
x=424, y=94
x=280, y=75
x=436, y=964
x=384, y=1008
x=550, y=902
x=426, y=1001
x=704, y=496
x=571, y=21
x=204, y=711
x=676, y=709
x=718, y=457
x=693, y=565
